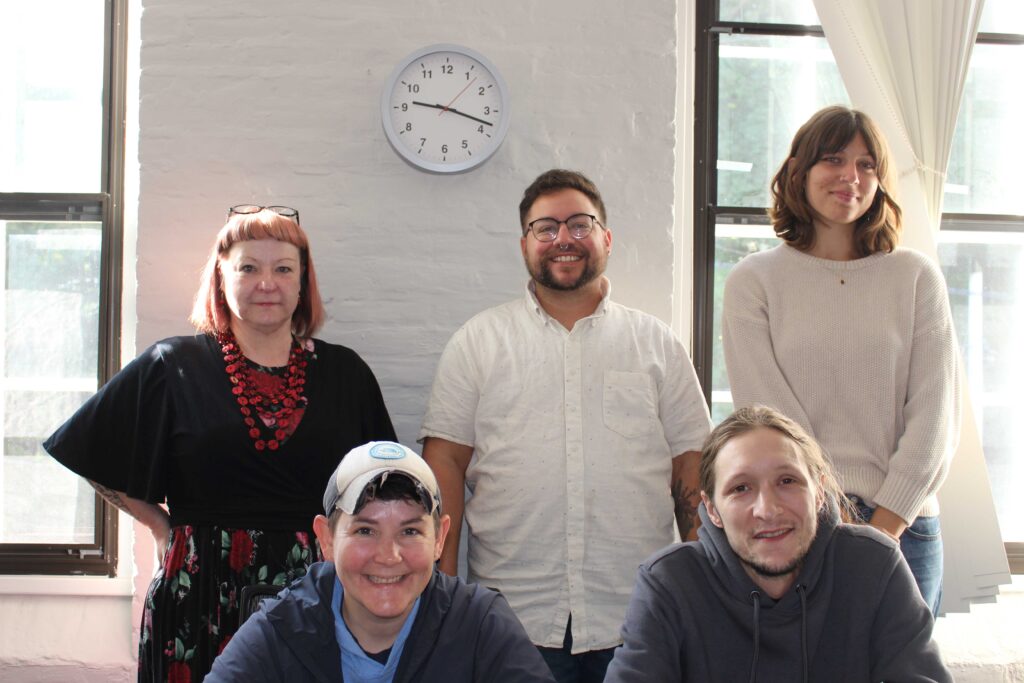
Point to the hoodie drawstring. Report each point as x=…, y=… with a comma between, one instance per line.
x=801, y=590
x=756, y=598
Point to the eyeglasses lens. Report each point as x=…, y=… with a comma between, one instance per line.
x=545, y=230
x=580, y=226
x=286, y=211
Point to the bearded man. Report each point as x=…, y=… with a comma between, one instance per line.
x=575, y=423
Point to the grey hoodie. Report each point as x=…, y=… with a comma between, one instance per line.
x=853, y=614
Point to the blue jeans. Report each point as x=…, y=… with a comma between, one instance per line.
x=586, y=667
x=921, y=544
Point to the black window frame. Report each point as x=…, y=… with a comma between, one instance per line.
x=106, y=206
x=706, y=212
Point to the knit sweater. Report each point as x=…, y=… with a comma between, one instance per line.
x=862, y=354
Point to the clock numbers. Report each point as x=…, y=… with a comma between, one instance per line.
x=458, y=122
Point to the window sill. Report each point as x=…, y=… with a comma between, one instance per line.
x=95, y=586
x=984, y=645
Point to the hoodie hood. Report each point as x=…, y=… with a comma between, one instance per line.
x=770, y=620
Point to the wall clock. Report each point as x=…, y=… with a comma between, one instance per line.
x=445, y=109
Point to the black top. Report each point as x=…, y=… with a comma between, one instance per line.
x=168, y=428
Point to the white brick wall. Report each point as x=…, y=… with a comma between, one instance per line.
x=276, y=102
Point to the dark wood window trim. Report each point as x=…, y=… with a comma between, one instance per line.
x=705, y=190
x=100, y=556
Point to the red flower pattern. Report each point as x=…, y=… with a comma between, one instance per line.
x=241, y=550
x=176, y=556
x=244, y=553
x=179, y=672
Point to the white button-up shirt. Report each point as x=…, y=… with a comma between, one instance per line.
x=573, y=435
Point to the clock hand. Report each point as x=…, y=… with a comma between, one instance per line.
x=457, y=96
x=454, y=111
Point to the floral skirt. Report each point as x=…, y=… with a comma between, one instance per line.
x=192, y=605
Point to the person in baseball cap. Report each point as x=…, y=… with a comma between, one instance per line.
x=355, y=479
x=377, y=609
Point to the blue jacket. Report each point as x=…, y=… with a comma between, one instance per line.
x=462, y=633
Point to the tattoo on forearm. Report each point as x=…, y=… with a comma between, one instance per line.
x=686, y=500
x=111, y=496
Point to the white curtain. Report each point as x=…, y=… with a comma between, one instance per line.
x=904, y=63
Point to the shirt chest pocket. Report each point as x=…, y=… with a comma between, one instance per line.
x=630, y=408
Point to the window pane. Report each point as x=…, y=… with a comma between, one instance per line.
x=793, y=78
x=985, y=274
x=1002, y=16
x=769, y=11
x=51, y=96
x=51, y=322
x=984, y=163
x=735, y=237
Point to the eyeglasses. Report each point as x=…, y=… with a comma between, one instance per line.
x=286, y=211
x=546, y=229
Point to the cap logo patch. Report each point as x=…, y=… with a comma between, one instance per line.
x=387, y=451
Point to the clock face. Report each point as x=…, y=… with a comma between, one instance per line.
x=445, y=109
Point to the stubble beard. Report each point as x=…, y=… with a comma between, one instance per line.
x=771, y=572
x=762, y=569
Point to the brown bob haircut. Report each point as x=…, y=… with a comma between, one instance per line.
x=210, y=313
x=827, y=132
x=747, y=420
x=556, y=180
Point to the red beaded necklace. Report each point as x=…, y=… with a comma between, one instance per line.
x=275, y=410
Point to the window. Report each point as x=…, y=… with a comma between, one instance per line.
x=775, y=49
x=61, y=108
x=745, y=138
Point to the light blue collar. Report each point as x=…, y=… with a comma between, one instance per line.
x=356, y=665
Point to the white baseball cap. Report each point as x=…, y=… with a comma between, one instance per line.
x=364, y=464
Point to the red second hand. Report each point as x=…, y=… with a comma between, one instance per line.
x=457, y=97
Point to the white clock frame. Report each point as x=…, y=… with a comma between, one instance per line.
x=445, y=109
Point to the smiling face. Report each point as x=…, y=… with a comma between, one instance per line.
x=767, y=503
x=261, y=283
x=841, y=186
x=384, y=556
x=566, y=264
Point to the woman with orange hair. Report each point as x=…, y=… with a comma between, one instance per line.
x=235, y=430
